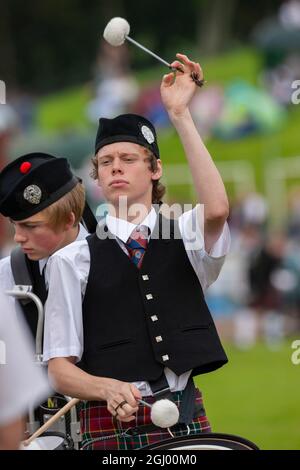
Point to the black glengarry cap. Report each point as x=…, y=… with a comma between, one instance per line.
x=33, y=182
x=127, y=128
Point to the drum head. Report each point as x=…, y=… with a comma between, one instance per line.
x=205, y=441
x=48, y=441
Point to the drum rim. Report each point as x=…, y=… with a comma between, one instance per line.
x=62, y=440
x=249, y=445
x=53, y=433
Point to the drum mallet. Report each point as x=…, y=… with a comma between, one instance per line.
x=164, y=412
x=117, y=30
x=52, y=420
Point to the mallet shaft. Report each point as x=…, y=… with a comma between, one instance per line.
x=151, y=53
x=145, y=403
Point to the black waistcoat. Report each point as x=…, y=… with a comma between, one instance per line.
x=136, y=322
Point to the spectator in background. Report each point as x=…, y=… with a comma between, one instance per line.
x=115, y=88
x=278, y=37
x=254, y=210
x=267, y=283
x=293, y=221
x=262, y=267
x=289, y=14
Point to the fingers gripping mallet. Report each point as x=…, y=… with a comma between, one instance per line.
x=117, y=31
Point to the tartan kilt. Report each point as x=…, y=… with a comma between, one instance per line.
x=102, y=431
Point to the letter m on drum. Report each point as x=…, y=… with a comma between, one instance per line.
x=2, y=92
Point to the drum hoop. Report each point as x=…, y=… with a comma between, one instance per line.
x=66, y=440
x=248, y=445
x=42, y=441
x=54, y=434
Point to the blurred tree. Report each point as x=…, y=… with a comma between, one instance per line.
x=7, y=46
x=50, y=43
x=220, y=24
x=214, y=24
x=112, y=8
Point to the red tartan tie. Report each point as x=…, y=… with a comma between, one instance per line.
x=136, y=245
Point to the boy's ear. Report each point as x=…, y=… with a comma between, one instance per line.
x=71, y=221
x=158, y=172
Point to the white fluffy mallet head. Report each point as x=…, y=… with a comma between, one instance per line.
x=164, y=413
x=116, y=31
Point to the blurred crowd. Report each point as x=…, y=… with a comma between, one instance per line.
x=257, y=296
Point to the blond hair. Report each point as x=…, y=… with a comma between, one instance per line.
x=59, y=212
x=158, y=189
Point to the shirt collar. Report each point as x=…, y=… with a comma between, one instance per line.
x=82, y=234
x=122, y=228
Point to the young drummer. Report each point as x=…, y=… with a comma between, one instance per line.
x=44, y=201
x=144, y=325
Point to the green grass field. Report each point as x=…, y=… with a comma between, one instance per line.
x=256, y=396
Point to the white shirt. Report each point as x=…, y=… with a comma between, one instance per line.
x=68, y=271
x=23, y=383
x=7, y=281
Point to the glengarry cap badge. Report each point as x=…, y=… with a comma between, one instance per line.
x=33, y=194
x=148, y=134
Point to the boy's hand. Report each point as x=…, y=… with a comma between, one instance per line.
x=177, y=89
x=122, y=399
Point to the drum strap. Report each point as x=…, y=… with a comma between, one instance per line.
x=160, y=388
x=187, y=405
x=20, y=270
x=88, y=219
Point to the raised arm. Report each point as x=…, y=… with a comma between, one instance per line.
x=176, y=96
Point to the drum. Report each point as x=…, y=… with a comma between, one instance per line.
x=50, y=408
x=205, y=441
x=50, y=441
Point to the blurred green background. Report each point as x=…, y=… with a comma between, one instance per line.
x=60, y=78
x=256, y=396
x=62, y=123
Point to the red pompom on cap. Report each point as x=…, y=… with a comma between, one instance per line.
x=25, y=167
